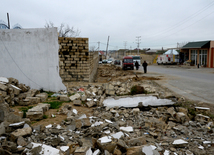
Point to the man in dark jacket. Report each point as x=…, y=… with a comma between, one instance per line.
x=137, y=65
x=145, y=66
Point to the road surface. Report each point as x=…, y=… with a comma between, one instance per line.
x=195, y=84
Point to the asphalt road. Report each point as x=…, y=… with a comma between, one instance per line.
x=195, y=84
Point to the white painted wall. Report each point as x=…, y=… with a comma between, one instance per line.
x=31, y=56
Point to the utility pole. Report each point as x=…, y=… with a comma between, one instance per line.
x=98, y=45
x=138, y=43
x=8, y=20
x=125, y=42
x=107, y=46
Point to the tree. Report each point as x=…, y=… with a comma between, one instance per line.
x=64, y=31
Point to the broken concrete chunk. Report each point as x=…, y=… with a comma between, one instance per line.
x=32, y=100
x=77, y=102
x=4, y=80
x=16, y=125
x=171, y=110
x=16, y=90
x=65, y=150
x=43, y=97
x=3, y=87
x=179, y=143
x=203, y=117
x=127, y=129
x=181, y=117
x=82, y=150
x=32, y=93
x=63, y=98
x=37, y=112
x=90, y=103
x=21, y=132
x=136, y=141
x=136, y=150
x=75, y=97
x=21, y=141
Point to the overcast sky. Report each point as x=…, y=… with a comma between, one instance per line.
x=160, y=23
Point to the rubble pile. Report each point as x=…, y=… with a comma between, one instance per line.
x=15, y=93
x=112, y=71
x=160, y=130
x=93, y=95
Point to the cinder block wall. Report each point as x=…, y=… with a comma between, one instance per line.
x=75, y=61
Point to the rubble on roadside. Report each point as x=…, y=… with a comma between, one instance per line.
x=116, y=130
x=158, y=129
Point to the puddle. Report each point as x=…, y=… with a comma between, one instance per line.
x=133, y=101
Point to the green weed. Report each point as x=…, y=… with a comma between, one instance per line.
x=45, y=117
x=55, y=104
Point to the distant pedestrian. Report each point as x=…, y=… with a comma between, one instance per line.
x=136, y=65
x=145, y=66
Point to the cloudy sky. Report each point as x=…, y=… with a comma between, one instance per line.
x=160, y=23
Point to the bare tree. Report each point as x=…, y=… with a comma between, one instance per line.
x=92, y=48
x=64, y=31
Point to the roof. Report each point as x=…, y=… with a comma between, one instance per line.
x=199, y=44
x=172, y=51
x=152, y=51
x=101, y=53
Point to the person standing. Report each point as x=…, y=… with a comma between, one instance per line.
x=137, y=65
x=145, y=66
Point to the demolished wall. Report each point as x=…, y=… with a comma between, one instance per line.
x=31, y=56
x=76, y=62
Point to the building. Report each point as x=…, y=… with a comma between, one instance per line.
x=199, y=53
x=4, y=25
x=102, y=55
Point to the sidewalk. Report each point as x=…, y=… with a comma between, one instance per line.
x=192, y=68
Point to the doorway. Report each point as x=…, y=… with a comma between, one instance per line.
x=203, y=58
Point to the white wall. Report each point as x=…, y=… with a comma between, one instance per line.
x=31, y=56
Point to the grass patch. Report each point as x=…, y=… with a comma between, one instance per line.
x=49, y=94
x=55, y=104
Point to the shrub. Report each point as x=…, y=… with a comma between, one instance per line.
x=137, y=90
x=45, y=116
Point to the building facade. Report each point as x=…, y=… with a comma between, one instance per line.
x=199, y=53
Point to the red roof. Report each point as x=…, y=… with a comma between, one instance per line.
x=102, y=53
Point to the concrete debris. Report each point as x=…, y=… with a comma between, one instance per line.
x=37, y=112
x=155, y=131
x=149, y=126
x=15, y=93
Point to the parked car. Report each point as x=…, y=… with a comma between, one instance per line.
x=117, y=62
x=109, y=61
x=100, y=62
x=104, y=61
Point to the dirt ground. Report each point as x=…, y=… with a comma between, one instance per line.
x=106, y=73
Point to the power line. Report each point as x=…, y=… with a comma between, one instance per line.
x=182, y=22
x=186, y=26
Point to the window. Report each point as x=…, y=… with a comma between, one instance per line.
x=194, y=57
x=128, y=60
